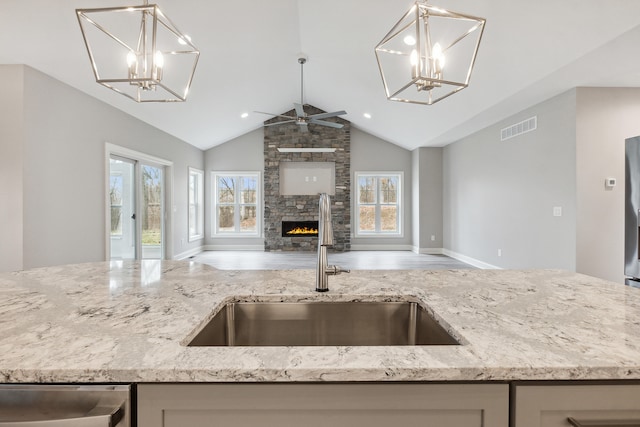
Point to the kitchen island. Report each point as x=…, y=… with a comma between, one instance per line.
x=537, y=348
x=130, y=322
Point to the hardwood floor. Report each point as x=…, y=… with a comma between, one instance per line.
x=354, y=260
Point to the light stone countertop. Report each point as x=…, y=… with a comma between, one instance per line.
x=128, y=322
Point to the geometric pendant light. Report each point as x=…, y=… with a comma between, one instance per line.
x=137, y=51
x=429, y=54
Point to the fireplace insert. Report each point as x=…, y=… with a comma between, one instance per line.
x=299, y=228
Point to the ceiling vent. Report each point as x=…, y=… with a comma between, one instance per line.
x=524, y=126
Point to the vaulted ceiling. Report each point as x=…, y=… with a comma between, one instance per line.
x=530, y=51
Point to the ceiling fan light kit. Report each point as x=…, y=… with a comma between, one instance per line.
x=429, y=54
x=138, y=52
x=302, y=119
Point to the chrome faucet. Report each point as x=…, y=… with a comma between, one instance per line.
x=325, y=238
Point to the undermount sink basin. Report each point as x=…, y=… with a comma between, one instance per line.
x=322, y=324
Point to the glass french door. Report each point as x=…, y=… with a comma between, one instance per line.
x=137, y=212
x=122, y=195
x=152, y=211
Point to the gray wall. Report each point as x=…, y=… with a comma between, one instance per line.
x=64, y=171
x=245, y=153
x=370, y=153
x=501, y=195
x=605, y=118
x=426, y=188
x=11, y=164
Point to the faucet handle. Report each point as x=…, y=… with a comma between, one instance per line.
x=334, y=270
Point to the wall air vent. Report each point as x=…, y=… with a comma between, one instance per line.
x=519, y=128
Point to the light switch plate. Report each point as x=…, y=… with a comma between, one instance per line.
x=557, y=211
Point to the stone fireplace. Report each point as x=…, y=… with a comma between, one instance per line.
x=291, y=207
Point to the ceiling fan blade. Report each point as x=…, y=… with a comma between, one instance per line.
x=327, y=115
x=325, y=123
x=275, y=115
x=280, y=123
x=299, y=109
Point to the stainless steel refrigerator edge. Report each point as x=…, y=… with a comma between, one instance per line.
x=632, y=211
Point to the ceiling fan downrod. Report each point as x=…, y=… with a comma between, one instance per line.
x=302, y=60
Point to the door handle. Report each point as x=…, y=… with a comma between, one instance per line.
x=97, y=417
x=638, y=235
x=603, y=423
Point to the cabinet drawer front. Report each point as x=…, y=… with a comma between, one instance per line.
x=322, y=418
x=588, y=405
x=266, y=405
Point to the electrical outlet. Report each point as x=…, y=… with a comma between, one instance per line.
x=499, y=252
x=433, y=238
x=557, y=211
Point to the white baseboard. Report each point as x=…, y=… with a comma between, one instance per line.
x=471, y=261
x=187, y=254
x=233, y=248
x=381, y=247
x=430, y=251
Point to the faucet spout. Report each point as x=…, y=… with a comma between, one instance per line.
x=325, y=238
x=325, y=231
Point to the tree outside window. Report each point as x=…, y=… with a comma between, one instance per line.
x=116, y=189
x=378, y=207
x=152, y=205
x=236, y=204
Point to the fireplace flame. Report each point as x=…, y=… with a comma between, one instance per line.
x=303, y=230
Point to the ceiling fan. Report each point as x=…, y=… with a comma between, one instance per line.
x=301, y=118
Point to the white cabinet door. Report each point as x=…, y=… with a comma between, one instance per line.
x=587, y=405
x=311, y=405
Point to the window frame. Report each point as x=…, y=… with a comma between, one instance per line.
x=237, y=233
x=197, y=204
x=377, y=175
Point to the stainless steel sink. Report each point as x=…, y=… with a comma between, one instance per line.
x=322, y=323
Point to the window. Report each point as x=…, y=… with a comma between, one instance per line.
x=235, y=204
x=196, y=205
x=378, y=204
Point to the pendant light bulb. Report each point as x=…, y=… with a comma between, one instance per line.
x=131, y=58
x=132, y=63
x=159, y=59
x=413, y=58
x=158, y=64
x=438, y=57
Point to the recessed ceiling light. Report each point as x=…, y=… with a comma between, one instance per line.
x=409, y=40
x=244, y=115
x=367, y=115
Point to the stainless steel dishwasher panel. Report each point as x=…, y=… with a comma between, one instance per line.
x=65, y=405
